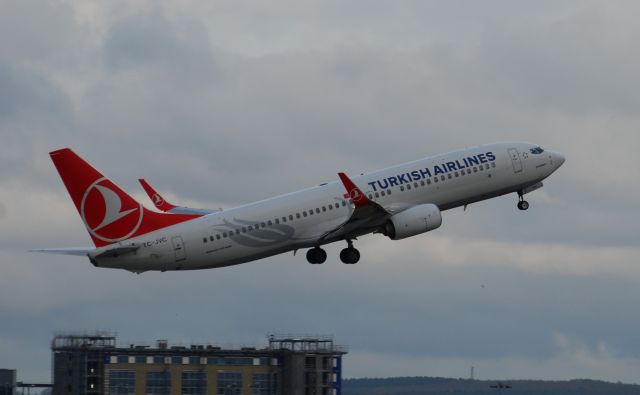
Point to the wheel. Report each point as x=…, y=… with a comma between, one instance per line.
x=523, y=205
x=316, y=255
x=349, y=255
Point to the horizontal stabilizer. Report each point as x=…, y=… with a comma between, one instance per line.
x=78, y=251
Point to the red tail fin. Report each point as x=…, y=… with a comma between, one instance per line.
x=109, y=213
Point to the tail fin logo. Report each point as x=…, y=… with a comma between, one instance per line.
x=355, y=195
x=105, y=214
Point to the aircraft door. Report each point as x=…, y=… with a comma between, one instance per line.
x=515, y=160
x=178, y=248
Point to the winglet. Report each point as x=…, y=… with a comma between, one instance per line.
x=353, y=192
x=155, y=197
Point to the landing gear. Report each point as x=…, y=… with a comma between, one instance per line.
x=522, y=204
x=316, y=255
x=349, y=255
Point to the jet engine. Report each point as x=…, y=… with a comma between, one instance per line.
x=413, y=221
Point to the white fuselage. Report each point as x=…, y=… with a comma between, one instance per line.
x=301, y=219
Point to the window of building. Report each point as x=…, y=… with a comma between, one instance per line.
x=194, y=360
x=158, y=382
x=122, y=382
x=262, y=384
x=194, y=383
x=176, y=360
x=141, y=359
x=229, y=383
x=158, y=359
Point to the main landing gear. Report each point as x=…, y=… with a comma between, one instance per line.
x=522, y=204
x=316, y=255
x=349, y=255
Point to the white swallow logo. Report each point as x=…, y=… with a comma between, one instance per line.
x=112, y=213
x=355, y=195
x=157, y=199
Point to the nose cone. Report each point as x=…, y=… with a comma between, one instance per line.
x=557, y=159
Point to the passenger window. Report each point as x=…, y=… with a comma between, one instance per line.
x=408, y=186
x=298, y=215
x=330, y=206
x=290, y=217
x=211, y=238
x=401, y=188
x=429, y=181
x=455, y=174
x=344, y=203
x=324, y=209
x=284, y=219
x=449, y=176
x=435, y=179
x=250, y=228
x=237, y=231
x=269, y=223
x=377, y=195
x=304, y=213
x=244, y=229
x=370, y=197
x=442, y=178
x=277, y=221
x=475, y=169
x=486, y=166
x=493, y=164
x=310, y=212
x=204, y=240
x=481, y=168
x=317, y=211
x=224, y=234
x=415, y=184
x=422, y=182
x=382, y=193
x=388, y=191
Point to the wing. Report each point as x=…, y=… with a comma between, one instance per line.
x=162, y=205
x=366, y=216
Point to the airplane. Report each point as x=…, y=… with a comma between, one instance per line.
x=398, y=202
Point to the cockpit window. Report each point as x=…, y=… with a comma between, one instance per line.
x=537, y=150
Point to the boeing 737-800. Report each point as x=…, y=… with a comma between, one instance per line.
x=398, y=202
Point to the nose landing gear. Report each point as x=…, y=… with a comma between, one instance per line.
x=522, y=204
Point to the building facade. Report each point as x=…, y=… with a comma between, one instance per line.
x=94, y=364
x=7, y=382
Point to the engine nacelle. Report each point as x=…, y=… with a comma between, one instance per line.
x=413, y=221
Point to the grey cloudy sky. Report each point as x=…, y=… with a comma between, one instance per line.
x=219, y=103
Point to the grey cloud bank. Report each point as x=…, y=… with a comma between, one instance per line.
x=221, y=103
